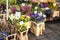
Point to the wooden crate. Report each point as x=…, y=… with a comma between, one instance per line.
x=2, y=17
x=55, y=14
x=7, y=38
x=23, y=35
x=37, y=29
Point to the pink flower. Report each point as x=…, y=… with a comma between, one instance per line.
x=28, y=13
x=23, y=8
x=28, y=8
x=13, y=9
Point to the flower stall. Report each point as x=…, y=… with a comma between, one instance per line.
x=23, y=15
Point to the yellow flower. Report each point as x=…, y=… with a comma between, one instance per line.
x=28, y=16
x=25, y=24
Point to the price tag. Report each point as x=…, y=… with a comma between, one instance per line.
x=17, y=15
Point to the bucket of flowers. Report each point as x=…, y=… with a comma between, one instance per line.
x=22, y=24
x=37, y=23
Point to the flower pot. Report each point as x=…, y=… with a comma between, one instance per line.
x=23, y=35
x=37, y=28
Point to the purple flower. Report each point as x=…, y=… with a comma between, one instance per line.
x=28, y=8
x=44, y=5
x=28, y=13
x=23, y=8
x=39, y=18
x=36, y=15
x=13, y=9
x=32, y=15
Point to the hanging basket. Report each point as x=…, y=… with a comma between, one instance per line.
x=37, y=28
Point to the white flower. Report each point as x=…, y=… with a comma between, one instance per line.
x=40, y=14
x=36, y=7
x=11, y=16
x=44, y=15
x=23, y=4
x=47, y=8
x=35, y=12
x=21, y=23
x=54, y=4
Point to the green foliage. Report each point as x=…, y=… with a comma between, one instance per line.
x=11, y=2
x=22, y=28
x=38, y=9
x=3, y=1
x=50, y=5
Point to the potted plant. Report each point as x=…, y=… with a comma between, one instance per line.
x=22, y=25
x=37, y=23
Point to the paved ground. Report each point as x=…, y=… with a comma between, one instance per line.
x=52, y=32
